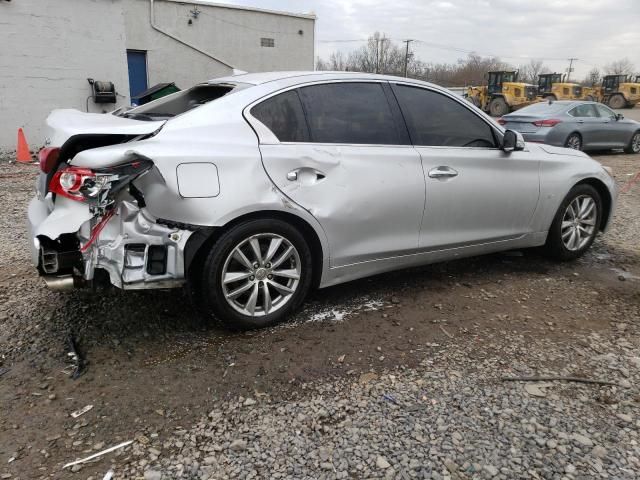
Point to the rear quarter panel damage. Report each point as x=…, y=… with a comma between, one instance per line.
x=222, y=139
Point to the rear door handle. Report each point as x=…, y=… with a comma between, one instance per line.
x=305, y=173
x=442, y=172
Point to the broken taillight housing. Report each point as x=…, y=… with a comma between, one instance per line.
x=48, y=158
x=95, y=186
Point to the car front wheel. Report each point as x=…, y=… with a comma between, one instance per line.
x=257, y=274
x=634, y=144
x=575, y=224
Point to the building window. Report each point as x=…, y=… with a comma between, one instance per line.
x=267, y=42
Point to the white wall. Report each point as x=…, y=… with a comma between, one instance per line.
x=48, y=49
x=230, y=34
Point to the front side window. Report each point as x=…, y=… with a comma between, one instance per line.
x=349, y=113
x=283, y=115
x=433, y=119
x=605, y=112
x=586, y=110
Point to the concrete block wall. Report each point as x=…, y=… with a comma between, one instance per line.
x=230, y=34
x=48, y=49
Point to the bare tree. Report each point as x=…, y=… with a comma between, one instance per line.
x=382, y=55
x=592, y=78
x=620, y=67
x=529, y=73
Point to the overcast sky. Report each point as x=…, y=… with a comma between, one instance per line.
x=594, y=31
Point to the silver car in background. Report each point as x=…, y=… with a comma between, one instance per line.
x=255, y=188
x=575, y=124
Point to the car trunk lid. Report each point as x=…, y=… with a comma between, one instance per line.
x=520, y=123
x=67, y=123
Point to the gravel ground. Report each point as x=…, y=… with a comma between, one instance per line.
x=397, y=376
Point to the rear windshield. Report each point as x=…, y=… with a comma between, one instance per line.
x=542, y=107
x=181, y=102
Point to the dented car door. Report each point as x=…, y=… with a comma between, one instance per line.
x=337, y=151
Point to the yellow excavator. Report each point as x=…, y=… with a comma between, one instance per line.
x=619, y=91
x=502, y=94
x=553, y=86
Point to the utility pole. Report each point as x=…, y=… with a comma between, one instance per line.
x=571, y=60
x=375, y=70
x=406, y=56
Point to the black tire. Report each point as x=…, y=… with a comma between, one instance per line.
x=617, y=102
x=498, y=107
x=574, y=141
x=555, y=246
x=634, y=144
x=211, y=294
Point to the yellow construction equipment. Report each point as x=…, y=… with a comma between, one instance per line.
x=619, y=91
x=502, y=94
x=553, y=86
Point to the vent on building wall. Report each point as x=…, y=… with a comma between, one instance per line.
x=267, y=42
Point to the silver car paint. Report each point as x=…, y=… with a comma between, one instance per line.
x=596, y=132
x=380, y=224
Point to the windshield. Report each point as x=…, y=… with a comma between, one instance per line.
x=181, y=102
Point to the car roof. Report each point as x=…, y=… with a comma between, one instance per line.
x=265, y=77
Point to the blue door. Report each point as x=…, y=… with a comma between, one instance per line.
x=137, y=62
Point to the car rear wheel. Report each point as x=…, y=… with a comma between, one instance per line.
x=575, y=224
x=574, y=141
x=634, y=144
x=498, y=107
x=617, y=101
x=257, y=274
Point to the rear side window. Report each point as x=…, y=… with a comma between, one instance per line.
x=586, y=110
x=351, y=113
x=434, y=119
x=283, y=115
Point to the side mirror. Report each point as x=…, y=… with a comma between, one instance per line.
x=512, y=141
x=619, y=116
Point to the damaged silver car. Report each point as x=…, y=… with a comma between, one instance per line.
x=254, y=189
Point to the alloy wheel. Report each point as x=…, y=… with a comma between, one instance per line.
x=574, y=142
x=579, y=222
x=261, y=274
x=635, y=143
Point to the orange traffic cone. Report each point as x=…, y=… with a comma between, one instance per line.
x=22, y=152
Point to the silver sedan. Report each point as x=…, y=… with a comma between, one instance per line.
x=577, y=125
x=253, y=189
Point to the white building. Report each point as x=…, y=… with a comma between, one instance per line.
x=49, y=48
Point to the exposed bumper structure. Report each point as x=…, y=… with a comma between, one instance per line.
x=69, y=244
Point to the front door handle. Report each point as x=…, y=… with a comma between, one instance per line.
x=442, y=172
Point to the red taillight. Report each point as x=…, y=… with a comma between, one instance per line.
x=552, y=122
x=501, y=121
x=68, y=182
x=48, y=158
